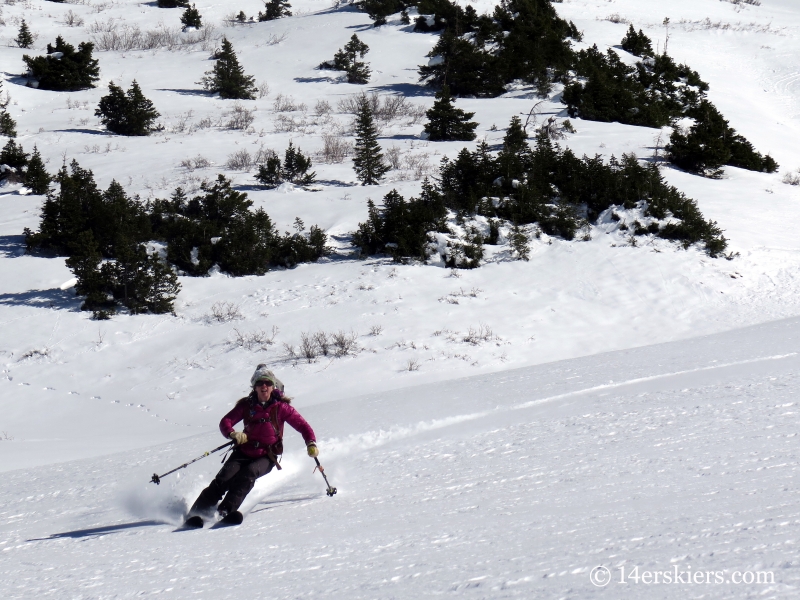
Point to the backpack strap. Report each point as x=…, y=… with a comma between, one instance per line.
x=278, y=428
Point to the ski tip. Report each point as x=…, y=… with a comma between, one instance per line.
x=234, y=518
x=194, y=522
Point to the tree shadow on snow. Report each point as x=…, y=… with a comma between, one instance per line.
x=405, y=89
x=316, y=79
x=97, y=531
x=79, y=130
x=52, y=298
x=185, y=92
x=12, y=246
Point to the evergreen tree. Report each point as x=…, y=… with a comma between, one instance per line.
x=294, y=169
x=368, y=159
x=13, y=155
x=7, y=125
x=140, y=281
x=347, y=59
x=172, y=3
x=191, y=18
x=127, y=113
x=270, y=174
x=296, y=166
x=468, y=69
x=519, y=243
x=637, y=44
x=479, y=55
x=228, y=78
x=275, y=9
x=400, y=228
x=71, y=71
x=36, y=177
x=448, y=123
x=711, y=143
x=24, y=37
x=84, y=262
x=378, y=10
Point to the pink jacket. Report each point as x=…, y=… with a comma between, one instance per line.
x=257, y=425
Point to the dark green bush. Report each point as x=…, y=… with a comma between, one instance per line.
x=64, y=69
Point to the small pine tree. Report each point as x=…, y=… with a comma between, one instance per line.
x=36, y=178
x=446, y=122
x=191, y=18
x=637, y=44
x=378, y=10
x=69, y=72
x=294, y=169
x=275, y=9
x=7, y=125
x=127, y=113
x=296, y=166
x=84, y=262
x=24, y=37
x=347, y=59
x=270, y=174
x=357, y=70
x=227, y=77
x=519, y=243
x=368, y=160
x=13, y=155
x=241, y=17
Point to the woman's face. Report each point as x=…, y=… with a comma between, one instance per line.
x=264, y=389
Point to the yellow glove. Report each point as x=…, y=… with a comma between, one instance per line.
x=312, y=449
x=238, y=437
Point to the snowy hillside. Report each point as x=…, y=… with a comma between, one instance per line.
x=469, y=460
x=515, y=485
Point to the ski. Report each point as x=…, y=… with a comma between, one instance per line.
x=194, y=522
x=234, y=518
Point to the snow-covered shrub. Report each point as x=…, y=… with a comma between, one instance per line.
x=223, y=311
x=335, y=148
x=241, y=160
x=287, y=104
x=72, y=20
x=477, y=336
x=238, y=117
x=792, y=178
x=254, y=340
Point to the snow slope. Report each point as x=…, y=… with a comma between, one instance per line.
x=499, y=433
x=510, y=485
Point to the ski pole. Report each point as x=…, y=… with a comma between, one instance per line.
x=331, y=490
x=157, y=478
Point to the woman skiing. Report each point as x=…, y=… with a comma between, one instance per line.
x=264, y=411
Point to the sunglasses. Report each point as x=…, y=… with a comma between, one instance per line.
x=265, y=382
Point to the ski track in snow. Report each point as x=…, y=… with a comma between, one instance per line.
x=692, y=467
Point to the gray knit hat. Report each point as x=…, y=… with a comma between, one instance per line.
x=262, y=372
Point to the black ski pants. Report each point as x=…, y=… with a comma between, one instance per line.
x=235, y=480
